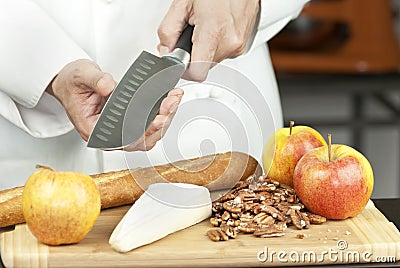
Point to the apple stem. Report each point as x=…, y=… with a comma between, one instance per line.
x=329, y=146
x=44, y=167
x=291, y=124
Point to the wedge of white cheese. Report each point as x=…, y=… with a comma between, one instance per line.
x=163, y=209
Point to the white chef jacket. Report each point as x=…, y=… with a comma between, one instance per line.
x=39, y=37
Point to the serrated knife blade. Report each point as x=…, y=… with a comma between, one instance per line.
x=136, y=100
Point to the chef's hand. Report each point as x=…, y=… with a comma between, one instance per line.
x=83, y=89
x=221, y=30
x=156, y=130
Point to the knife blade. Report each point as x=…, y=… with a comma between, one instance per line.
x=135, y=102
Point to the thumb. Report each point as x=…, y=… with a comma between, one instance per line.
x=100, y=82
x=172, y=25
x=105, y=85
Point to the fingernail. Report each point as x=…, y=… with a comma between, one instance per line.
x=163, y=50
x=101, y=82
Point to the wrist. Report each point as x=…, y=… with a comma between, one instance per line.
x=49, y=88
x=52, y=89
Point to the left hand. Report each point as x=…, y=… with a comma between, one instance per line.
x=221, y=30
x=157, y=128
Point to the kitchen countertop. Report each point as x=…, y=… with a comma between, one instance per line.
x=390, y=208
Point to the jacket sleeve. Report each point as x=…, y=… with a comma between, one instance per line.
x=273, y=16
x=33, y=49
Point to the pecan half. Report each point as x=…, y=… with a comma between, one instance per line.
x=235, y=216
x=281, y=225
x=288, y=189
x=256, y=208
x=273, y=212
x=284, y=209
x=243, y=184
x=233, y=207
x=226, y=216
x=268, y=202
x=264, y=219
x=216, y=234
x=268, y=231
x=306, y=220
x=246, y=217
x=291, y=198
x=230, y=222
x=247, y=228
x=229, y=230
x=316, y=219
x=299, y=220
x=217, y=206
x=215, y=221
x=228, y=196
x=266, y=187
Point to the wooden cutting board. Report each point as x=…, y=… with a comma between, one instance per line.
x=366, y=237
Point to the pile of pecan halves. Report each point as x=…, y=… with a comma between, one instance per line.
x=259, y=206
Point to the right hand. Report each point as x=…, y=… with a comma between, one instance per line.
x=83, y=89
x=221, y=31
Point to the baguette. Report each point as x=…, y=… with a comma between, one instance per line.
x=11, y=206
x=117, y=188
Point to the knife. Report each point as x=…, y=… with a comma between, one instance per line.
x=135, y=102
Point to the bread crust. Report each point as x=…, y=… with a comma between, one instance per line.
x=11, y=206
x=117, y=188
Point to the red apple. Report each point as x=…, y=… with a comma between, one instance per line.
x=334, y=181
x=285, y=148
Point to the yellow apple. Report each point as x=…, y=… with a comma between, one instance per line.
x=284, y=149
x=60, y=207
x=334, y=181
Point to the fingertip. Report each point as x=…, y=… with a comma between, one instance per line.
x=196, y=74
x=203, y=56
x=105, y=85
x=173, y=23
x=163, y=50
x=176, y=92
x=197, y=71
x=84, y=137
x=170, y=104
x=174, y=107
x=168, y=37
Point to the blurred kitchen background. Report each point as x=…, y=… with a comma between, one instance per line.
x=338, y=68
